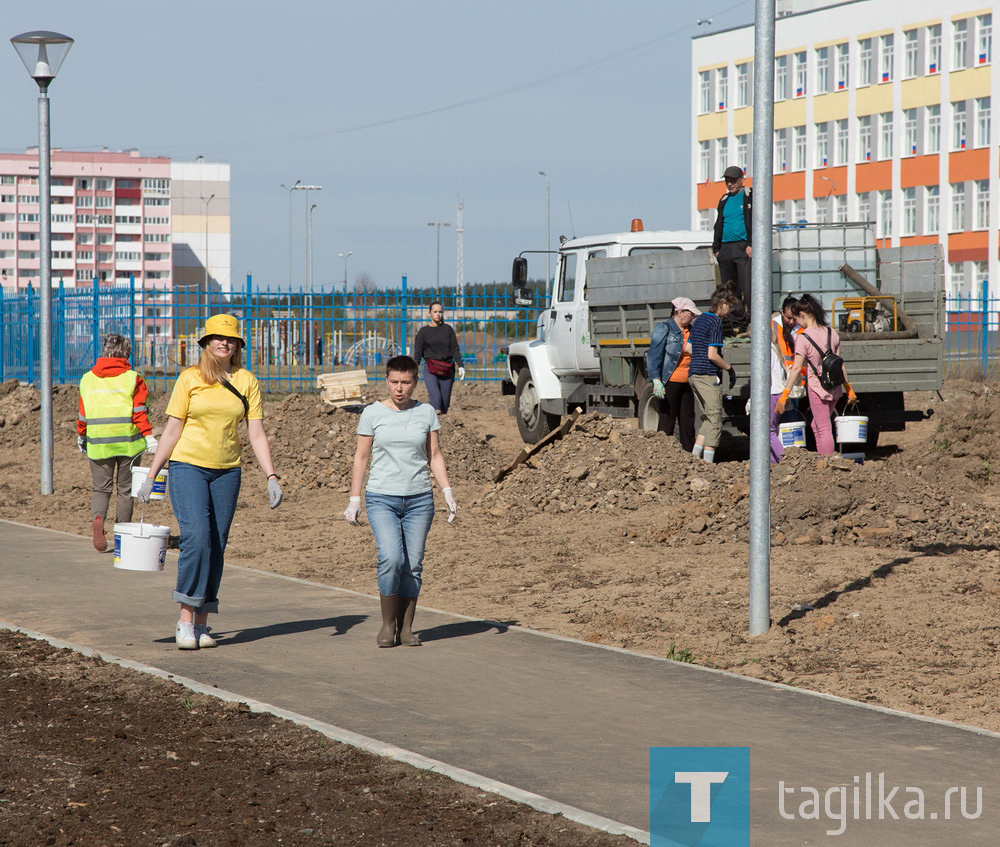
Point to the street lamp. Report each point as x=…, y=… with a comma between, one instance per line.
x=43, y=53
x=289, y=190
x=438, y=224
x=206, y=201
x=307, y=189
x=548, y=229
x=309, y=246
x=344, y=257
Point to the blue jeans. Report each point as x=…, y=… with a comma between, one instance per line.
x=204, y=501
x=400, y=525
x=439, y=389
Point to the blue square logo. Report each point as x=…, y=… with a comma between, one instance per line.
x=698, y=796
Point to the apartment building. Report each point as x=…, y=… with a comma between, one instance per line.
x=117, y=215
x=882, y=113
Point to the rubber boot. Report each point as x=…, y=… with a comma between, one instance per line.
x=404, y=623
x=387, y=633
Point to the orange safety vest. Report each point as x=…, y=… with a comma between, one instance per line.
x=787, y=353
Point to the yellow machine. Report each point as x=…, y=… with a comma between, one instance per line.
x=865, y=314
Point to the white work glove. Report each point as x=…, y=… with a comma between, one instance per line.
x=146, y=489
x=151, y=444
x=274, y=494
x=353, y=510
x=81, y=442
x=658, y=390
x=461, y=374
x=449, y=498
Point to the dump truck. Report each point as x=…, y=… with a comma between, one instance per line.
x=610, y=291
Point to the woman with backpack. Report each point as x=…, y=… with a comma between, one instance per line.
x=824, y=384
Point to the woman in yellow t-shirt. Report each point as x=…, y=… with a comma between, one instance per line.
x=201, y=442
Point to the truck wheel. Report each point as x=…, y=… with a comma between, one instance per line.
x=648, y=408
x=532, y=422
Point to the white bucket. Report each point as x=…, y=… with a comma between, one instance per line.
x=851, y=429
x=140, y=546
x=159, y=484
x=792, y=434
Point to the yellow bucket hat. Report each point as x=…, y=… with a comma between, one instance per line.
x=225, y=325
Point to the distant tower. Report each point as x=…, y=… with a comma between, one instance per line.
x=460, y=263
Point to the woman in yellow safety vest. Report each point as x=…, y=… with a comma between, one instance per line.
x=112, y=429
x=200, y=439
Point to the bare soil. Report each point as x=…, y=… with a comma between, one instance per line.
x=885, y=588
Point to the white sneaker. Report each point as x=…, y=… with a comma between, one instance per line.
x=204, y=639
x=185, y=637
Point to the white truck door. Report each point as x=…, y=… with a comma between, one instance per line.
x=586, y=357
x=563, y=330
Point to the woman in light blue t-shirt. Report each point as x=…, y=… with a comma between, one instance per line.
x=399, y=436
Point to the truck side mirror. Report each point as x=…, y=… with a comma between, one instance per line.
x=519, y=273
x=524, y=297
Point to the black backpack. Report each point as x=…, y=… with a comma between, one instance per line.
x=832, y=373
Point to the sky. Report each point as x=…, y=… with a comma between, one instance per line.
x=399, y=110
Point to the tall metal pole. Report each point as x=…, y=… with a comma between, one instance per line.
x=309, y=281
x=290, y=190
x=207, y=275
x=344, y=257
x=45, y=228
x=760, y=318
x=548, y=228
x=438, y=224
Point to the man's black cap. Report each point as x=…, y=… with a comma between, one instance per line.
x=732, y=172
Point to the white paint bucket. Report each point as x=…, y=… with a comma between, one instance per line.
x=139, y=475
x=140, y=546
x=792, y=434
x=851, y=429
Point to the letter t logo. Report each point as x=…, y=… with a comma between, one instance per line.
x=701, y=791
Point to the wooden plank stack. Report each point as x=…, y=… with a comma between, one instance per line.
x=347, y=388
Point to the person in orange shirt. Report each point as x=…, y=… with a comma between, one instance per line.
x=667, y=366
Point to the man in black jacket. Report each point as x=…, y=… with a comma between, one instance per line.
x=733, y=242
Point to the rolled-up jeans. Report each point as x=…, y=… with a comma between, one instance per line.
x=204, y=501
x=400, y=524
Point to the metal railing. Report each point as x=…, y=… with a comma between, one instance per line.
x=292, y=334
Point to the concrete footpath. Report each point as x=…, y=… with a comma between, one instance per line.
x=563, y=719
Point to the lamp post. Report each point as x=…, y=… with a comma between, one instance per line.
x=206, y=201
x=344, y=257
x=43, y=53
x=309, y=280
x=548, y=229
x=290, y=190
x=438, y=224
x=307, y=189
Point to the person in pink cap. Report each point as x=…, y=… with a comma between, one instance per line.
x=667, y=364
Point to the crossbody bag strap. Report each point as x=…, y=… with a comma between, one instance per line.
x=236, y=391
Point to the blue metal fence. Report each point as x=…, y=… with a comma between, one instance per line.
x=292, y=334
x=295, y=334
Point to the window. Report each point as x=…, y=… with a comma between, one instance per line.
x=960, y=45
x=84, y=274
x=843, y=66
x=822, y=70
x=722, y=154
x=104, y=220
x=983, y=122
x=865, y=206
x=823, y=210
x=102, y=184
x=885, y=135
x=909, y=211
x=843, y=141
x=27, y=254
x=932, y=209
x=934, y=49
x=778, y=212
x=838, y=210
x=156, y=186
x=104, y=202
x=6, y=180
x=6, y=236
x=865, y=138
x=956, y=279
x=911, y=55
x=84, y=184
x=886, y=45
x=743, y=150
x=866, y=71
x=781, y=78
x=26, y=218
x=104, y=258
x=799, y=211
x=27, y=198
x=127, y=256
x=567, y=278
x=822, y=145
x=743, y=85
x=984, y=39
x=161, y=221
x=6, y=198
x=958, y=125
x=933, y=129
x=800, y=74
x=885, y=214
x=105, y=238
x=156, y=257
x=910, y=132
x=157, y=237
x=84, y=201
x=85, y=255
x=957, y=206
x=781, y=150
x=705, y=87
x=722, y=78
x=981, y=272
x=85, y=238
x=800, y=148
x=704, y=163
x=27, y=236
x=982, y=204
x=62, y=219
x=128, y=219
x=149, y=201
